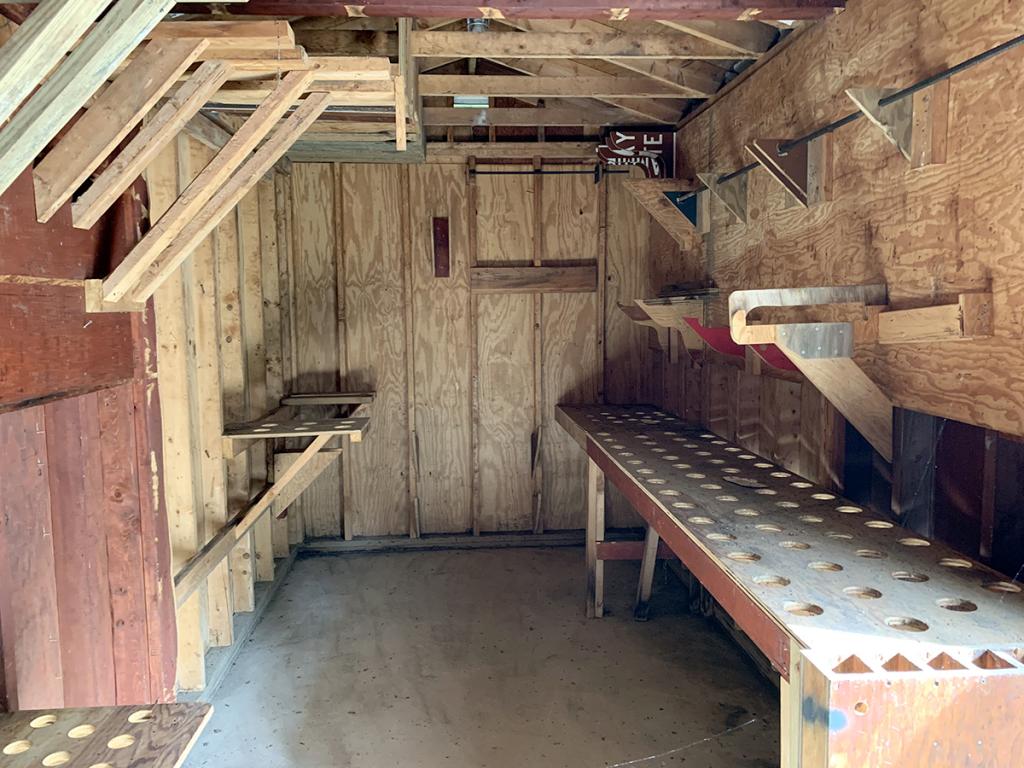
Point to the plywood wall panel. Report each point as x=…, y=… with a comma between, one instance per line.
x=505, y=357
x=570, y=370
x=315, y=304
x=929, y=233
x=373, y=249
x=441, y=350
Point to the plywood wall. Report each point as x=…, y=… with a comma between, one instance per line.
x=465, y=384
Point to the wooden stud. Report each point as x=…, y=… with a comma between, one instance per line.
x=642, y=605
x=108, y=120
x=595, y=533
x=197, y=196
x=158, y=133
x=76, y=79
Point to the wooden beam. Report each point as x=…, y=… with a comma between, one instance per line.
x=459, y=152
x=744, y=37
x=546, y=9
x=76, y=79
x=564, y=45
x=39, y=44
x=169, y=120
x=523, y=116
x=575, y=279
x=543, y=87
x=109, y=119
x=233, y=35
x=188, y=205
x=230, y=194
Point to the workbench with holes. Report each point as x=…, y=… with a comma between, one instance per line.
x=892, y=649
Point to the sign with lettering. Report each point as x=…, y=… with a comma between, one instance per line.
x=653, y=151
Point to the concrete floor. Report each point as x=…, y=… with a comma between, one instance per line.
x=483, y=659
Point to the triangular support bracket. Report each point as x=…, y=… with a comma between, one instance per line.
x=732, y=193
x=917, y=124
x=694, y=206
x=803, y=170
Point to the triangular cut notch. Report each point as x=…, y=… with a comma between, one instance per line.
x=852, y=665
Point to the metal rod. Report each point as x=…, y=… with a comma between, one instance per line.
x=892, y=98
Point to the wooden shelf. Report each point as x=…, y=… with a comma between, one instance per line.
x=155, y=736
x=237, y=436
x=332, y=398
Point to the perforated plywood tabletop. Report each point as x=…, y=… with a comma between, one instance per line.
x=158, y=736
x=827, y=572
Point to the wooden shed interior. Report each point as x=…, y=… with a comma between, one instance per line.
x=509, y=382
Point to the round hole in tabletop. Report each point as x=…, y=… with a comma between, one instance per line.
x=794, y=545
x=803, y=609
x=823, y=496
x=56, y=758
x=747, y=512
x=911, y=576
x=871, y=554
x=839, y=535
x=906, y=624
x=43, y=720
x=913, y=541
x=701, y=520
x=82, y=731
x=743, y=557
x=878, y=524
x=771, y=580
x=1002, y=586
x=812, y=519
x=768, y=528
x=721, y=537
x=861, y=708
x=782, y=474
x=787, y=504
x=824, y=565
x=955, y=562
x=848, y=509
x=123, y=741
x=681, y=466
x=695, y=475
x=864, y=593
x=956, y=604
x=668, y=492
x=140, y=716
x=766, y=492
x=17, y=747
x=683, y=505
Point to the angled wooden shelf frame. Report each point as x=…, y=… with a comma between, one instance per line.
x=861, y=618
x=654, y=195
x=917, y=125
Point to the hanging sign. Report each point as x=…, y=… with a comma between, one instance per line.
x=653, y=151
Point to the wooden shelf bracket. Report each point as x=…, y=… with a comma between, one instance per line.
x=805, y=171
x=822, y=351
x=917, y=124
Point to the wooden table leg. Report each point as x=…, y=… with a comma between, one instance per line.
x=595, y=533
x=641, y=607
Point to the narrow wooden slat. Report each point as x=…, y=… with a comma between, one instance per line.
x=109, y=120
x=565, y=45
x=124, y=544
x=80, y=551
x=199, y=193
x=401, y=135
x=202, y=222
x=148, y=143
x=76, y=79
x=28, y=595
x=534, y=279
x=39, y=44
x=542, y=86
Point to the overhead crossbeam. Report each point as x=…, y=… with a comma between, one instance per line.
x=565, y=45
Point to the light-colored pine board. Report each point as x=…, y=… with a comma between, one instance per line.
x=373, y=249
x=208, y=426
x=569, y=352
x=176, y=378
x=157, y=133
x=76, y=79
x=504, y=334
x=314, y=311
x=108, y=120
x=37, y=46
x=234, y=385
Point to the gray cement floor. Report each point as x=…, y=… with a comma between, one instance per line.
x=483, y=659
